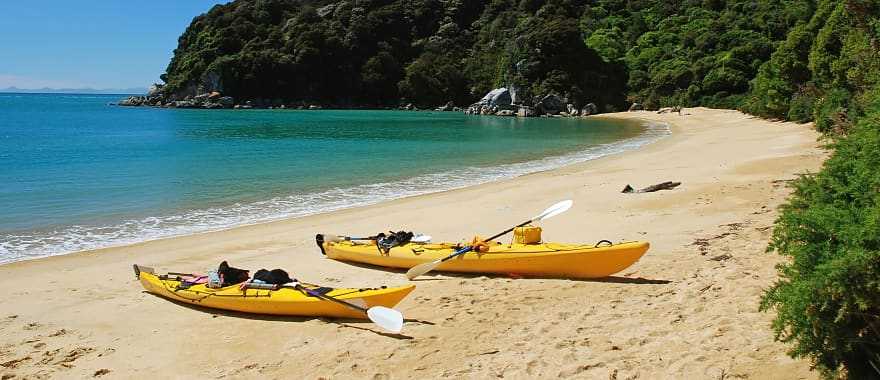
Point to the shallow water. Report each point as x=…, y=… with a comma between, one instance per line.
x=77, y=173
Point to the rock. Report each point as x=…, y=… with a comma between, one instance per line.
x=326, y=10
x=449, y=106
x=210, y=82
x=505, y=113
x=214, y=95
x=226, y=101
x=201, y=98
x=498, y=97
x=186, y=103
x=589, y=109
x=155, y=90
x=525, y=111
x=665, y=110
x=636, y=107
x=131, y=101
x=550, y=104
x=314, y=107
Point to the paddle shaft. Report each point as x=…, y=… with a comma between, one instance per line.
x=333, y=299
x=470, y=248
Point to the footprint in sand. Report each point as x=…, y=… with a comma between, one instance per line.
x=73, y=355
x=101, y=372
x=32, y=326
x=14, y=362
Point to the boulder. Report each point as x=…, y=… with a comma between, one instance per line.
x=449, y=106
x=589, y=109
x=155, y=90
x=636, y=107
x=499, y=97
x=214, y=95
x=525, y=111
x=550, y=104
x=226, y=101
x=505, y=113
x=201, y=98
x=131, y=101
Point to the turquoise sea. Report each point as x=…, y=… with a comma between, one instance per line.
x=78, y=173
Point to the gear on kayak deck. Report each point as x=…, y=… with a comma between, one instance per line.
x=387, y=241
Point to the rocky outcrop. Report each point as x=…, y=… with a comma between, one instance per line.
x=525, y=111
x=550, y=105
x=156, y=98
x=589, y=109
x=499, y=97
x=449, y=106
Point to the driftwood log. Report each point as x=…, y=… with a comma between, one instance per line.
x=660, y=186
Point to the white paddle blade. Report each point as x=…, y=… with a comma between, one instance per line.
x=422, y=268
x=421, y=239
x=554, y=210
x=387, y=318
x=333, y=238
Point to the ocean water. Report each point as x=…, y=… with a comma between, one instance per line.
x=77, y=173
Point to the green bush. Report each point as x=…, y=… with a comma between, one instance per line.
x=801, y=107
x=828, y=297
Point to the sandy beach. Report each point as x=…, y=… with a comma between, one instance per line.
x=688, y=309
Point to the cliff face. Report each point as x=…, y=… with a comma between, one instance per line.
x=430, y=52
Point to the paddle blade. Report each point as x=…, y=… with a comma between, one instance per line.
x=334, y=238
x=421, y=239
x=387, y=318
x=422, y=268
x=554, y=210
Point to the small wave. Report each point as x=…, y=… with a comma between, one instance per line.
x=24, y=246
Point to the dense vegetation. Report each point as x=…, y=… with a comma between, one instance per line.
x=803, y=60
x=828, y=298
x=384, y=52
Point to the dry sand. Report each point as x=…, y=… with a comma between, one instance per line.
x=688, y=309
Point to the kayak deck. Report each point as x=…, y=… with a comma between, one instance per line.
x=283, y=301
x=539, y=260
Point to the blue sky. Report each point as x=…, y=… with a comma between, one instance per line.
x=90, y=43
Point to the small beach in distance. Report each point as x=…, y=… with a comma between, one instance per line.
x=687, y=309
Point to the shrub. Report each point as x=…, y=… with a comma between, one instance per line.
x=828, y=296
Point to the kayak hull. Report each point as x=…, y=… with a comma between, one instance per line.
x=284, y=301
x=535, y=260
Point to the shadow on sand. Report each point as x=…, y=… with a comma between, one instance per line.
x=344, y=322
x=440, y=276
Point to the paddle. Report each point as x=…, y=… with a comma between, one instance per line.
x=387, y=318
x=550, y=212
x=337, y=238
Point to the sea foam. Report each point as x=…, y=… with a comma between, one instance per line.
x=31, y=245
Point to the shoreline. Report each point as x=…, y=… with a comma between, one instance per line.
x=687, y=309
x=114, y=238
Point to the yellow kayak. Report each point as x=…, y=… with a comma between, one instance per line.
x=555, y=260
x=284, y=301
